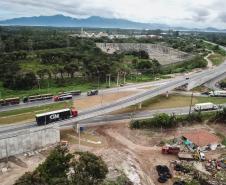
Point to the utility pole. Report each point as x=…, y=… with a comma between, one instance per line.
x=191, y=103
x=118, y=79
x=78, y=130
x=7, y=154
x=124, y=78
x=109, y=80
x=98, y=81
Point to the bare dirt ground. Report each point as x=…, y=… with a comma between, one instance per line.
x=92, y=101
x=123, y=152
x=18, y=166
x=133, y=152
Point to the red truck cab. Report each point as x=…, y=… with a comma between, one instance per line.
x=74, y=112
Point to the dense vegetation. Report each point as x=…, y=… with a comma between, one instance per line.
x=165, y=121
x=34, y=58
x=64, y=168
x=172, y=121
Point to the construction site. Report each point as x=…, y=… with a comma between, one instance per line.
x=165, y=55
x=145, y=156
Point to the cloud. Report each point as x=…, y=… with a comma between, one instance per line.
x=222, y=17
x=199, y=13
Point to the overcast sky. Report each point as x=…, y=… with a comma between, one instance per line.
x=189, y=13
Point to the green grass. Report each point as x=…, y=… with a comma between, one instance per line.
x=25, y=114
x=33, y=65
x=28, y=114
x=217, y=58
x=173, y=101
x=71, y=84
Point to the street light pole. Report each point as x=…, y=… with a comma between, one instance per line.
x=191, y=104
x=78, y=136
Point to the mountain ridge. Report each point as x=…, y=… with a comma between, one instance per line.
x=91, y=22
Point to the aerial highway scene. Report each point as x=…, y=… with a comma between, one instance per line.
x=112, y=92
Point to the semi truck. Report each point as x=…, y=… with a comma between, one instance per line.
x=73, y=93
x=9, y=101
x=205, y=106
x=63, y=97
x=54, y=116
x=39, y=97
x=217, y=93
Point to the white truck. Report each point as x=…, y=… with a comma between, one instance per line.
x=218, y=93
x=205, y=106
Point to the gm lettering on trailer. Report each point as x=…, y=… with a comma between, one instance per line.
x=54, y=116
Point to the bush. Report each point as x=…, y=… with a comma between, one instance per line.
x=220, y=116
x=20, y=82
x=158, y=121
x=166, y=121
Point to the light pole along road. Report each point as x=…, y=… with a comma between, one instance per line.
x=134, y=99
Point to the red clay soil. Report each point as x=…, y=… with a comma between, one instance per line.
x=202, y=137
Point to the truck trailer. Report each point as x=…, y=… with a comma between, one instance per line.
x=54, y=116
x=63, y=97
x=205, y=106
x=218, y=93
x=39, y=97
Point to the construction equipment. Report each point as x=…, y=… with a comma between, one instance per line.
x=199, y=156
x=170, y=150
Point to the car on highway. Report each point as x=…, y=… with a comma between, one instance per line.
x=92, y=92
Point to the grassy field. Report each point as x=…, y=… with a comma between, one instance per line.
x=217, y=58
x=161, y=102
x=49, y=87
x=28, y=114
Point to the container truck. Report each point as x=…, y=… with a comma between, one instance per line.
x=205, y=106
x=218, y=93
x=10, y=101
x=39, y=97
x=73, y=93
x=63, y=97
x=54, y=116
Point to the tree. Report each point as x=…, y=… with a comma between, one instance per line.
x=71, y=69
x=56, y=166
x=30, y=178
x=89, y=169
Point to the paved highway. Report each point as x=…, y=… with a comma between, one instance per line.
x=104, y=118
x=83, y=95
x=192, y=80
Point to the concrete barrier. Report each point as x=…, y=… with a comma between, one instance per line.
x=28, y=140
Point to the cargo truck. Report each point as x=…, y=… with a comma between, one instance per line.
x=54, y=116
x=73, y=93
x=10, y=101
x=218, y=93
x=205, y=106
x=39, y=97
x=63, y=97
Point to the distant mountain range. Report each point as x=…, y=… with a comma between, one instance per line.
x=91, y=22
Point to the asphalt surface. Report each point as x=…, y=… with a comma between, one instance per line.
x=104, y=118
x=140, y=96
x=167, y=85
x=83, y=95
